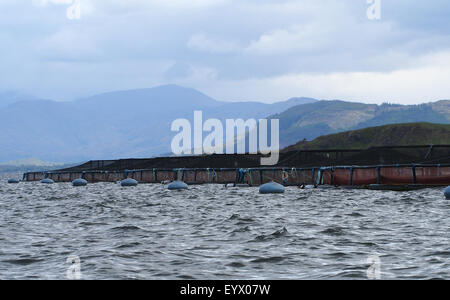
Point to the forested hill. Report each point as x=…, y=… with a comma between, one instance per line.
x=389, y=135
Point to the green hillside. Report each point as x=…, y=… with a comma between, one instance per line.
x=309, y=121
x=388, y=135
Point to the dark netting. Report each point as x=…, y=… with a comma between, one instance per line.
x=438, y=154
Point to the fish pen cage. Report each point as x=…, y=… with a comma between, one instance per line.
x=401, y=165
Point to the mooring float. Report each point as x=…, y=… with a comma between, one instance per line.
x=47, y=181
x=79, y=182
x=13, y=180
x=309, y=187
x=447, y=193
x=129, y=182
x=177, y=185
x=272, y=188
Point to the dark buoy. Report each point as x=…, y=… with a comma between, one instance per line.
x=129, y=182
x=79, y=182
x=47, y=181
x=242, y=185
x=272, y=188
x=447, y=193
x=13, y=180
x=177, y=185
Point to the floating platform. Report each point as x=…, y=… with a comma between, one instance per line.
x=401, y=177
x=426, y=166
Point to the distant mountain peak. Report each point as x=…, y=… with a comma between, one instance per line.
x=168, y=88
x=169, y=95
x=11, y=97
x=31, y=162
x=302, y=99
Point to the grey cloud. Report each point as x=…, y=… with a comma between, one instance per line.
x=141, y=43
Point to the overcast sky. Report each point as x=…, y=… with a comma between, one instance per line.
x=266, y=50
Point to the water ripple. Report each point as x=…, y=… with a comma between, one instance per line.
x=209, y=232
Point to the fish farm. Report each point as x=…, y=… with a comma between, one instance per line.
x=402, y=167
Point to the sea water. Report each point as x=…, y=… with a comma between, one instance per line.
x=213, y=232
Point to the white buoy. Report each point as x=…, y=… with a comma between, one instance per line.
x=272, y=188
x=129, y=182
x=13, y=180
x=47, y=181
x=177, y=185
x=447, y=193
x=79, y=182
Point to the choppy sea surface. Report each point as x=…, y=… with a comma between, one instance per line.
x=210, y=232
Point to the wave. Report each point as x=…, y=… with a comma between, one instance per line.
x=277, y=234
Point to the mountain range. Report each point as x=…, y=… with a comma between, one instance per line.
x=11, y=97
x=309, y=121
x=136, y=123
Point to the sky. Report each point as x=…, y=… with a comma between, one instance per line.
x=370, y=51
